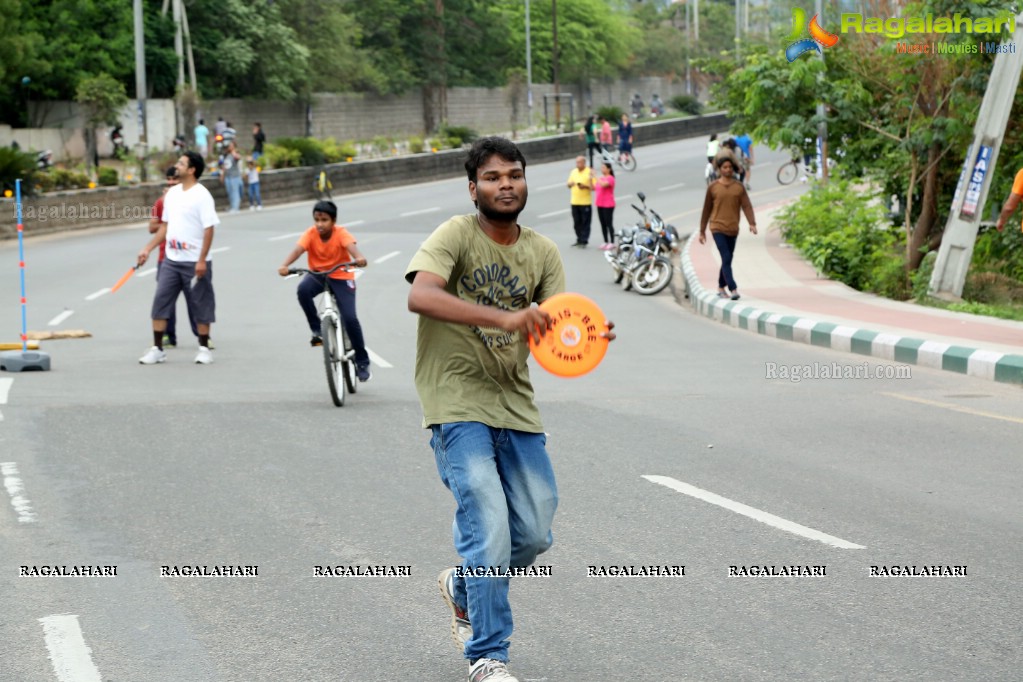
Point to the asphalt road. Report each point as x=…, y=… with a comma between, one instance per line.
x=678, y=450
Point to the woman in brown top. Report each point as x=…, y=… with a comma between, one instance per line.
x=725, y=197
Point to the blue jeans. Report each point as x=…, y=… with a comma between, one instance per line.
x=233, y=186
x=726, y=247
x=255, y=198
x=505, y=494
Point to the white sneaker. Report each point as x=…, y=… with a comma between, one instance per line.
x=204, y=356
x=153, y=356
x=259, y=207
x=490, y=670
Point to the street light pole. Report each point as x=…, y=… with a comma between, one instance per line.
x=140, y=84
x=822, y=125
x=529, y=74
x=554, y=62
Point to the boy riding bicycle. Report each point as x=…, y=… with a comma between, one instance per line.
x=326, y=245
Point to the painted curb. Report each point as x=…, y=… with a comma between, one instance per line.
x=975, y=362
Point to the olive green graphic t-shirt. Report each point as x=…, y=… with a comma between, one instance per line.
x=469, y=373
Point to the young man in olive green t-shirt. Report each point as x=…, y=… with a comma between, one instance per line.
x=474, y=281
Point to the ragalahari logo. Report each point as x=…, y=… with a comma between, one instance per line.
x=818, y=36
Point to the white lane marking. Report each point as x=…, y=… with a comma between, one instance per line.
x=5, y=387
x=60, y=318
x=387, y=256
x=290, y=235
x=358, y=273
x=353, y=223
x=751, y=512
x=15, y=488
x=220, y=250
x=655, y=165
x=96, y=294
x=146, y=273
x=554, y=213
x=627, y=196
x=671, y=187
x=547, y=187
x=420, y=212
x=377, y=360
x=70, y=656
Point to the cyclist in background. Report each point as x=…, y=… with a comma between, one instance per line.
x=745, y=143
x=326, y=245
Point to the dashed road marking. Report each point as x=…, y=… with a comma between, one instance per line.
x=377, y=360
x=60, y=318
x=70, y=656
x=420, y=212
x=15, y=488
x=290, y=235
x=671, y=187
x=554, y=213
x=146, y=273
x=386, y=257
x=753, y=513
x=220, y=250
x=96, y=294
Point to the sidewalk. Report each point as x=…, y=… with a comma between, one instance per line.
x=783, y=297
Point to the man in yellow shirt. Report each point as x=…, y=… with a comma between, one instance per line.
x=1012, y=202
x=580, y=181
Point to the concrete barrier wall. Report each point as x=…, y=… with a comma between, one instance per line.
x=80, y=209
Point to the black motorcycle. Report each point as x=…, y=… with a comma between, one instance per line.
x=641, y=259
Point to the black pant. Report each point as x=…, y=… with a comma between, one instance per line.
x=582, y=217
x=606, y=226
x=344, y=293
x=593, y=147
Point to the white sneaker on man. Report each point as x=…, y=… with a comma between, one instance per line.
x=490, y=670
x=204, y=356
x=153, y=356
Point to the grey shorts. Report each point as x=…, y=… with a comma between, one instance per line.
x=176, y=278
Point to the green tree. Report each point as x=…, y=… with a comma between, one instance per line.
x=103, y=98
x=901, y=122
x=20, y=58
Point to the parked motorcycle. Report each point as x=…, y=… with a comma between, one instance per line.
x=44, y=160
x=641, y=258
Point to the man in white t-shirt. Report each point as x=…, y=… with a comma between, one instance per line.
x=188, y=221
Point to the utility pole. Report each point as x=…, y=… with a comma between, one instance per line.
x=529, y=74
x=960, y=234
x=554, y=62
x=822, y=125
x=140, y=84
x=179, y=50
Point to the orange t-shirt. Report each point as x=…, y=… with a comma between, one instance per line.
x=1017, y=187
x=323, y=255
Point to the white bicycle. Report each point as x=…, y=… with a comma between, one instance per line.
x=338, y=355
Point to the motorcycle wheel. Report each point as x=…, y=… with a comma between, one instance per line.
x=652, y=276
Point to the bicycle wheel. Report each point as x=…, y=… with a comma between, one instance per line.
x=787, y=173
x=348, y=362
x=332, y=359
x=629, y=163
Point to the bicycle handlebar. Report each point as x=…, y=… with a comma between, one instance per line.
x=347, y=267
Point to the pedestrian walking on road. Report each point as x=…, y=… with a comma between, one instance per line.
x=231, y=176
x=202, y=139
x=188, y=221
x=474, y=282
x=724, y=200
x=589, y=133
x=252, y=176
x=580, y=182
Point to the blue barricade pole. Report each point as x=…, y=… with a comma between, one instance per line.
x=21, y=265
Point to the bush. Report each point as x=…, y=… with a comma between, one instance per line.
x=65, y=179
x=106, y=176
x=686, y=104
x=1000, y=252
x=309, y=150
x=14, y=165
x=281, y=157
x=336, y=152
x=41, y=181
x=436, y=144
x=843, y=233
x=415, y=145
x=462, y=133
x=612, y=114
x=455, y=142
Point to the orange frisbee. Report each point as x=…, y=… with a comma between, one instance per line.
x=573, y=346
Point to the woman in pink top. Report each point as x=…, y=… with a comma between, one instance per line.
x=605, y=186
